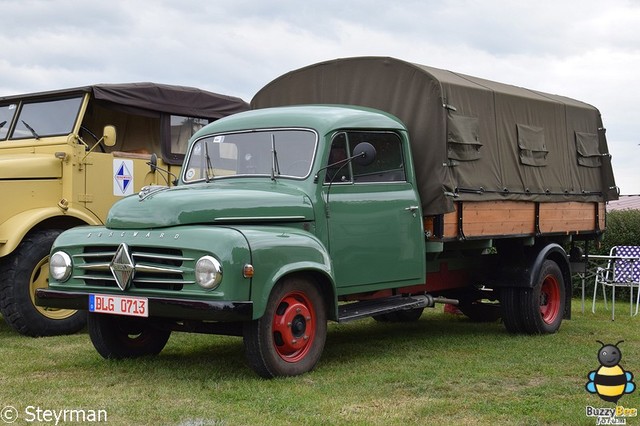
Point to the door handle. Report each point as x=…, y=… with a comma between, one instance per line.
x=412, y=209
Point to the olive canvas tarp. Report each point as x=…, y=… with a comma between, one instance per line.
x=471, y=139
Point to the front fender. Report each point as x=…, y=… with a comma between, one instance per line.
x=13, y=230
x=277, y=252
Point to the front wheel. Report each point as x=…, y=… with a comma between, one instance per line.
x=21, y=274
x=118, y=337
x=289, y=338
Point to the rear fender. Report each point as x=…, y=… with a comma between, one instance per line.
x=525, y=271
x=556, y=253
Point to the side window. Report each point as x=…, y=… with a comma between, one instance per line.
x=182, y=128
x=389, y=163
x=338, y=170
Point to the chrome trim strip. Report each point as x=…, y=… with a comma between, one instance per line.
x=140, y=267
x=94, y=266
x=259, y=218
x=161, y=256
x=161, y=281
x=95, y=278
x=96, y=254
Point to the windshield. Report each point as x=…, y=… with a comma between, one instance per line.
x=6, y=116
x=252, y=153
x=45, y=118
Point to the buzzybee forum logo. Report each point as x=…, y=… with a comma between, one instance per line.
x=610, y=382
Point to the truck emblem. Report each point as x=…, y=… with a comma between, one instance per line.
x=122, y=267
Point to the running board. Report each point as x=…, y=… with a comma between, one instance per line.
x=367, y=308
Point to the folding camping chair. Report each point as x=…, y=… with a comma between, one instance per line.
x=622, y=270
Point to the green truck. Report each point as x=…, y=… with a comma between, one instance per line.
x=66, y=156
x=354, y=188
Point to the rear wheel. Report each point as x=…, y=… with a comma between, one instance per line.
x=536, y=310
x=21, y=274
x=289, y=338
x=510, y=304
x=543, y=305
x=119, y=337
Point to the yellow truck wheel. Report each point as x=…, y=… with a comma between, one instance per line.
x=21, y=273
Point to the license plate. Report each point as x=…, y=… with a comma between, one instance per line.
x=119, y=305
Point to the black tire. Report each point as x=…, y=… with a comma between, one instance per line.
x=537, y=310
x=478, y=311
x=289, y=338
x=543, y=305
x=511, y=315
x=117, y=337
x=24, y=270
x=406, y=315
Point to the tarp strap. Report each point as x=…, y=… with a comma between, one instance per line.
x=461, y=235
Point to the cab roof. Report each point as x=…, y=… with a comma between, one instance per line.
x=322, y=118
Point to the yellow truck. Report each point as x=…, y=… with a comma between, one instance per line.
x=66, y=156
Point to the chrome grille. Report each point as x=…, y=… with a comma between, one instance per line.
x=155, y=267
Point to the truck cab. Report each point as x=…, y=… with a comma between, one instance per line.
x=278, y=211
x=66, y=156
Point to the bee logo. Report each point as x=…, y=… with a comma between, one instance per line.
x=610, y=381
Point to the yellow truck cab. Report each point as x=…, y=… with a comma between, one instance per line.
x=66, y=156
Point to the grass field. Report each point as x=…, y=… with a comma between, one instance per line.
x=442, y=369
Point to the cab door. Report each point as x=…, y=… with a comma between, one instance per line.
x=375, y=230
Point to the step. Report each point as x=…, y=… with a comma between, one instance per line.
x=368, y=308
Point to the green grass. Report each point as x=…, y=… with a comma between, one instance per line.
x=442, y=369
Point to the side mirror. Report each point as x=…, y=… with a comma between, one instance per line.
x=109, y=135
x=364, y=154
x=153, y=163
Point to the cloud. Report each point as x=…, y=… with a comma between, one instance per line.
x=587, y=50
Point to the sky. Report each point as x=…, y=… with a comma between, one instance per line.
x=584, y=49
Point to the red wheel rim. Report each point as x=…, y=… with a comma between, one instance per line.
x=550, y=299
x=294, y=326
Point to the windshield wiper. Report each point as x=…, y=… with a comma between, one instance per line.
x=33, y=132
x=275, y=167
x=3, y=123
x=209, y=164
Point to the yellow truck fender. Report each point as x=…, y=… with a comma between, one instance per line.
x=14, y=230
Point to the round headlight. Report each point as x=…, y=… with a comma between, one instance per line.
x=60, y=266
x=208, y=272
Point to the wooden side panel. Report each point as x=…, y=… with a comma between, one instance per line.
x=570, y=217
x=502, y=218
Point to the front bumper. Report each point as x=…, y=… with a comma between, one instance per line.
x=204, y=310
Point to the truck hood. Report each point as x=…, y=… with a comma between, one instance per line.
x=30, y=166
x=214, y=203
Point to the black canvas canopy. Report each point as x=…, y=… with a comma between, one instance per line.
x=471, y=139
x=179, y=100
x=150, y=98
